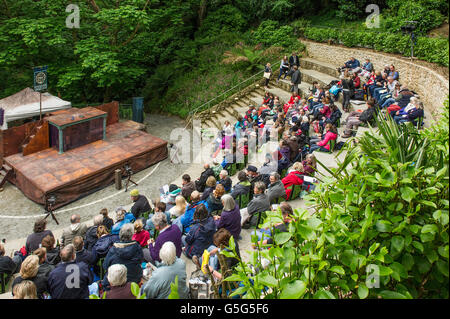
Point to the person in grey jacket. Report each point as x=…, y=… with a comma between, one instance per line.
x=276, y=188
x=158, y=286
x=295, y=79
x=260, y=203
x=75, y=229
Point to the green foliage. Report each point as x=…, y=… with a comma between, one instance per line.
x=434, y=50
x=225, y=19
x=270, y=33
x=174, y=289
x=385, y=207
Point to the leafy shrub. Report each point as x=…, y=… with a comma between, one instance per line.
x=434, y=50
x=270, y=33
x=225, y=19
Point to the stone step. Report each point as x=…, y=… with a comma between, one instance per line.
x=323, y=67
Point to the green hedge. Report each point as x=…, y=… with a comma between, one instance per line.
x=434, y=50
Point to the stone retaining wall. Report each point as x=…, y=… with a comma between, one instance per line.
x=432, y=87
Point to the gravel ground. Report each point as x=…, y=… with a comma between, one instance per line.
x=14, y=203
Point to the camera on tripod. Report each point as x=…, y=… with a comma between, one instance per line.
x=409, y=27
x=128, y=170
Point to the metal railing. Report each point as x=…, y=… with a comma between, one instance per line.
x=224, y=95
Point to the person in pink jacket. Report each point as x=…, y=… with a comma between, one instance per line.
x=331, y=134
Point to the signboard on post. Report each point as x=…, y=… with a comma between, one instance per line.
x=40, y=78
x=40, y=84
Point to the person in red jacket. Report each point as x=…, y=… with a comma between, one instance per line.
x=331, y=134
x=293, y=178
x=356, y=81
x=140, y=235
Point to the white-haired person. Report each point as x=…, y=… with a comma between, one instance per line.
x=120, y=288
x=158, y=286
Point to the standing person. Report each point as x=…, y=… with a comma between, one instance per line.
x=284, y=67
x=34, y=240
x=267, y=75
x=294, y=61
x=75, y=229
x=347, y=90
x=295, y=79
x=141, y=204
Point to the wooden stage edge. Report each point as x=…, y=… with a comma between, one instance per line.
x=88, y=168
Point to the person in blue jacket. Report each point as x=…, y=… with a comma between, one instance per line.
x=185, y=221
x=200, y=235
x=122, y=218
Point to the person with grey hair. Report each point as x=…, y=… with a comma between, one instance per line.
x=91, y=233
x=276, y=188
x=75, y=229
x=167, y=233
x=259, y=204
x=122, y=218
x=230, y=218
x=120, y=287
x=225, y=180
x=158, y=286
x=58, y=279
x=126, y=252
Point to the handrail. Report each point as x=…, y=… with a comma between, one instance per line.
x=192, y=113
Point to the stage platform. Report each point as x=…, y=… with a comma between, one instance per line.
x=88, y=168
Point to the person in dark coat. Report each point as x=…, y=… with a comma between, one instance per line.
x=29, y=271
x=52, y=252
x=259, y=204
x=225, y=180
x=276, y=187
x=200, y=236
x=126, y=252
x=108, y=222
x=241, y=188
x=141, y=204
x=230, y=218
x=210, y=187
x=120, y=288
x=8, y=265
x=294, y=60
x=91, y=233
x=82, y=254
x=34, y=240
x=104, y=242
x=188, y=186
x=213, y=201
x=201, y=182
x=296, y=79
x=58, y=279
x=166, y=233
x=44, y=267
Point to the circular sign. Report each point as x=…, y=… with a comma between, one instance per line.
x=40, y=78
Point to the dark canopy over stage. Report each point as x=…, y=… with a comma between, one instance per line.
x=87, y=168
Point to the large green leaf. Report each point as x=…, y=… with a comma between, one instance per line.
x=363, y=291
x=293, y=290
x=338, y=270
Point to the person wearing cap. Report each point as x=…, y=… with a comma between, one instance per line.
x=254, y=176
x=141, y=204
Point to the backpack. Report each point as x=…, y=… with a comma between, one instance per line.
x=359, y=95
x=339, y=145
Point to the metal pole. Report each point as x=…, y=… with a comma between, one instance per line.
x=40, y=105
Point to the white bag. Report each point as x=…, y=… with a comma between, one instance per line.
x=267, y=75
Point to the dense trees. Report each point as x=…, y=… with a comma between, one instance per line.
x=163, y=49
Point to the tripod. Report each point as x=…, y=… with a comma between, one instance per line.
x=129, y=172
x=49, y=208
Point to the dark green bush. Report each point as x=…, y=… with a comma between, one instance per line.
x=434, y=50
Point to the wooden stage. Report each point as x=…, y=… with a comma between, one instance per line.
x=85, y=169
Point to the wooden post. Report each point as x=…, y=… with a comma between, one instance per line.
x=118, y=178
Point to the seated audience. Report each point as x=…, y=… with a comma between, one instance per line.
x=141, y=204
x=259, y=204
x=108, y=222
x=213, y=201
x=126, y=252
x=122, y=218
x=188, y=186
x=210, y=187
x=104, y=242
x=52, y=252
x=58, y=280
x=225, y=180
x=34, y=240
x=230, y=218
x=185, y=221
x=276, y=188
x=265, y=235
x=242, y=187
x=355, y=119
x=82, y=254
x=140, y=234
x=29, y=271
x=8, y=265
x=294, y=177
x=167, y=233
x=25, y=290
x=159, y=284
x=44, y=267
x=75, y=229
x=201, y=181
x=120, y=288
x=91, y=233
x=201, y=233
x=180, y=204
x=322, y=144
